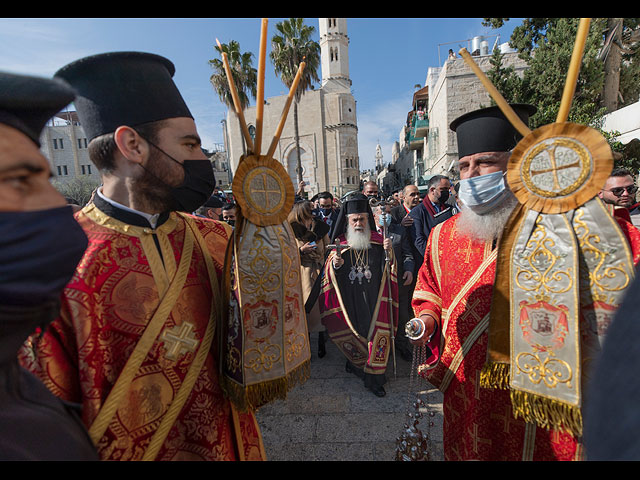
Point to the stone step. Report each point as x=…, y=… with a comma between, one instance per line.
x=333, y=417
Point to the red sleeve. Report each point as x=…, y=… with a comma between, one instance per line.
x=51, y=356
x=427, y=296
x=632, y=234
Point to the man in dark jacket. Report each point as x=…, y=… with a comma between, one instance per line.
x=326, y=210
x=40, y=246
x=431, y=211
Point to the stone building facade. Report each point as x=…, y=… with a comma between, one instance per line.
x=64, y=143
x=453, y=91
x=423, y=150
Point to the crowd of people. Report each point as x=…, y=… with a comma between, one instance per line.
x=107, y=319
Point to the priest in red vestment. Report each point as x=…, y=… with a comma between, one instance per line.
x=135, y=341
x=453, y=297
x=359, y=294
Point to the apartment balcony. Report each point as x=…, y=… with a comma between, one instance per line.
x=418, y=131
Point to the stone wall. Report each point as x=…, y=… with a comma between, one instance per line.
x=454, y=91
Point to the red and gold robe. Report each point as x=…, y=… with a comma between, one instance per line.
x=455, y=285
x=367, y=351
x=107, y=307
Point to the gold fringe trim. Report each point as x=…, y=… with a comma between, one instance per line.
x=252, y=397
x=495, y=375
x=547, y=413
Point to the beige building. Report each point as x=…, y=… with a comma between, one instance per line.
x=64, y=143
x=453, y=91
x=327, y=123
x=426, y=146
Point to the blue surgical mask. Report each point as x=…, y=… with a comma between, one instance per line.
x=384, y=220
x=482, y=194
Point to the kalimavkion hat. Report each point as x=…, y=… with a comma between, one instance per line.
x=27, y=103
x=488, y=130
x=357, y=203
x=123, y=88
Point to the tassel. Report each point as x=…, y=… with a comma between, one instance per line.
x=547, y=413
x=495, y=375
x=251, y=397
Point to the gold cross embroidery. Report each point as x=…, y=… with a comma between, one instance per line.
x=551, y=150
x=476, y=438
x=265, y=191
x=180, y=339
x=506, y=419
x=470, y=310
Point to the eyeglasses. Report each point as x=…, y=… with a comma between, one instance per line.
x=618, y=191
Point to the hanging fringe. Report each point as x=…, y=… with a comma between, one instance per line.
x=495, y=375
x=544, y=412
x=547, y=413
x=251, y=397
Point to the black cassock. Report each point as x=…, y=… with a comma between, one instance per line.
x=360, y=298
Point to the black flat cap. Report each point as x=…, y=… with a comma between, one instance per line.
x=27, y=102
x=213, y=202
x=123, y=88
x=488, y=130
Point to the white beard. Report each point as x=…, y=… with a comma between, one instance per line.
x=359, y=240
x=489, y=226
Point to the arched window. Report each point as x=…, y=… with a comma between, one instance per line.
x=292, y=164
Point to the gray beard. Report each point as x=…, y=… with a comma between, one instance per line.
x=489, y=226
x=359, y=240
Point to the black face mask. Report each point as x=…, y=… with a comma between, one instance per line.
x=39, y=252
x=231, y=222
x=195, y=190
x=444, y=196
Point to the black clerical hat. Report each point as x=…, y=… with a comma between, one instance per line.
x=123, y=88
x=27, y=103
x=355, y=203
x=488, y=130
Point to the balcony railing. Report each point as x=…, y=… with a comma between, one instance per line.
x=419, y=129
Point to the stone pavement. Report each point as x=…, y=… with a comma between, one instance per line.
x=332, y=417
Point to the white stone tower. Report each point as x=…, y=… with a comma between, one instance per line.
x=327, y=122
x=334, y=46
x=341, y=130
x=379, y=163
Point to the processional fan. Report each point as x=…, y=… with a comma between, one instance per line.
x=563, y=264
x=264, y=341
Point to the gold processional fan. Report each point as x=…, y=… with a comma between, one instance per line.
x=264, y=343
x=563, y=264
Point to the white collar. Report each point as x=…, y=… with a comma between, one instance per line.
x=152, y=219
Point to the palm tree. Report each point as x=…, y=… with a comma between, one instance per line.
x=244, y=76
x=291, y=46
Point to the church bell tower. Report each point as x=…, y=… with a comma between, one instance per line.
x=334, y=52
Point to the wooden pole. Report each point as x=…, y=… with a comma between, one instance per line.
x=260, y=93
x=285, y=110
x=515, y=120
x=574, y=69
x=236, y=99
